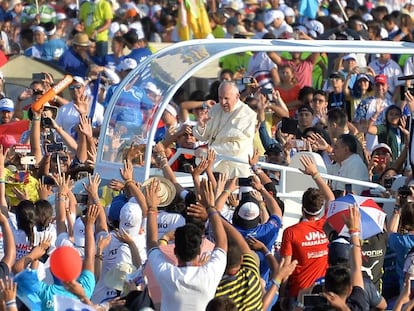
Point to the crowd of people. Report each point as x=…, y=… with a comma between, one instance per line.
x=212, y=246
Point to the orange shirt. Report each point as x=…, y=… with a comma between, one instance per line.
x=307, y=243
x=288, y=96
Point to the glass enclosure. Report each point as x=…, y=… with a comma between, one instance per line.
x=131, y=123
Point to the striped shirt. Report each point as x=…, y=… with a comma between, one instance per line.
x=244, y=287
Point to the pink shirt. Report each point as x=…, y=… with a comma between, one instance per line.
x=303, y=71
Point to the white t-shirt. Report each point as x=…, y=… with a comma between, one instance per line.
x=190, y=287
x=68, y=117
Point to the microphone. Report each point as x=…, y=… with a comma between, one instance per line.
x=403, y=78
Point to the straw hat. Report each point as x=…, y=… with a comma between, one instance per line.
x=167, y=190
x=81, y=39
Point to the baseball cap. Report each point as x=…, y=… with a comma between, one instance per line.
x=115, y=207
x=127, y=64
x=349, y=56
x=336, y=75
x=171, y=109
x=338, y=251
x=130, y=218
x=381, y=146
x=7, y=141
x=305, y=108
x=363, y=76
x=6, y=104
x=79, y=232
x=79, y=80
x=248, y=215
x=380, y=79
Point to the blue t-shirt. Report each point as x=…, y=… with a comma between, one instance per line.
x=110, y=60
x=266, y=233
x=47, y=292
x=73, y=64
x=401, y=245
x=139, y=54
x=54, y=49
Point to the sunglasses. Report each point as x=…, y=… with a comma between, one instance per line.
x=72, y=87
x=37, y=92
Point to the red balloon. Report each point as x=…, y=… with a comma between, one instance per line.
x=66, y=263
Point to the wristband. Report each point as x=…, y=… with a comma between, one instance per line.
x=356, y=233
x=353, y=230
x=276, y=282
x=212, y=213
x=100, y=257
x=36, y=118
x=373, y=119
x=128, y=181
x=10, y=302
x=316, y=176
x=255, y=168
x=153, y=212
x=268, y=253
x=227, y=191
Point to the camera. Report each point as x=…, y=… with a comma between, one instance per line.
x=51, y=148
x=28, y=160
x=247, y=80
x=404, y=191
x=46, y=122
x=314, y=300
x=404, y=89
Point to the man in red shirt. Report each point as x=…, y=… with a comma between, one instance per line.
x=306, y=241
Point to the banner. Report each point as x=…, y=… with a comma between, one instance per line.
x=63, y=303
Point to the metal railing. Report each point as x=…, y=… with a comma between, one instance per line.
x=283, y=171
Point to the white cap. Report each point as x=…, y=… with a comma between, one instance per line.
x=153, y=88
x=79, y=80
x=349, y=56
x=171, y=109
x=249, y=211
x=271, y=15
x=6, y=104
x=130, y=218
x=288, y=11
x=127, y=64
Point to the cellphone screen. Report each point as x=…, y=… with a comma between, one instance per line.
x=289, y=126
x=348, y=188
x=313, y=300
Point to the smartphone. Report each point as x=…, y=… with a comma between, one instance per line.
x=298, y=143
x=245, y=182
x=289, y=126
x=28, y=160
x=82, y=174
x=348, y=188
x=247, y=80
x=266, y=91
x=313, y=300
x=38, y=76
x=56, y=147
x=412, y=287
x=81, y=198
x=388, y=182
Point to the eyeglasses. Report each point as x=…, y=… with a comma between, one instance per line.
x=77, y=86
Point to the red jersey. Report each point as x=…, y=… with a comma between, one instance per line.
x=307, y=243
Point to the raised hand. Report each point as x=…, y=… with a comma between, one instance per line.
x=127, y=171
x=207, y=197
x=254, y=158
x=151, y=194
x=93, y=184
x=92, y=214
x=309, y=165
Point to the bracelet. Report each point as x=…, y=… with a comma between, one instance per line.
x=227, y=191
x=353, y=230
x=373, y=119
x=60, y=199
x=212, y=213
x=276, y=282
x=99, y=256
x=155, y=212
x=356, y=233
x=316, y=176
x=128, y=181
x=268, y=253
x=254, y=168
x=36, y=118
